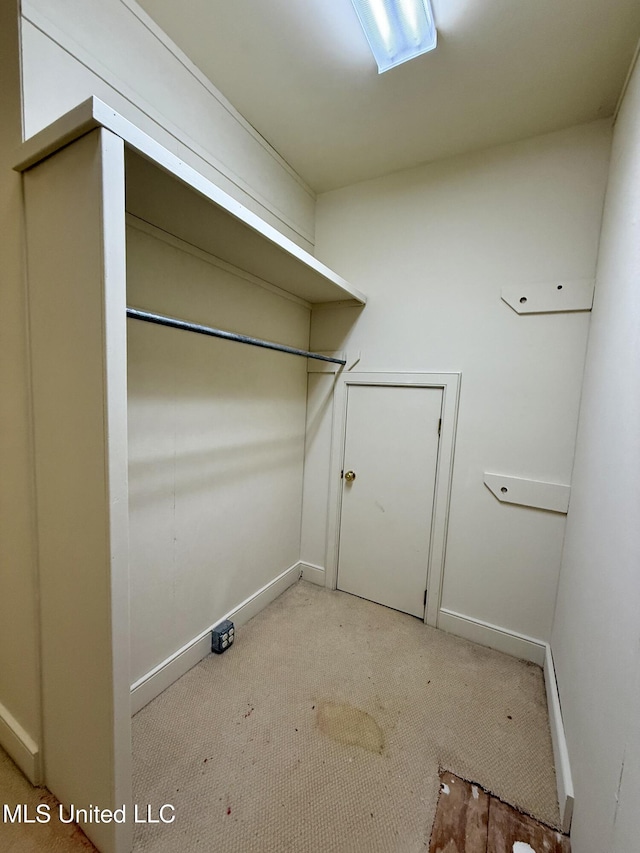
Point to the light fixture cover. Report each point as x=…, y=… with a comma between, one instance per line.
x=397, y=30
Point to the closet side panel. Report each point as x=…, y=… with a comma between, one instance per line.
x=75, y=238
x=19, y=645
x=216, y=444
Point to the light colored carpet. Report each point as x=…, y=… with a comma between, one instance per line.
x=52, y=837
x=323, y=729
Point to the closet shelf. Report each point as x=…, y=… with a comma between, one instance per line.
x=165, y=191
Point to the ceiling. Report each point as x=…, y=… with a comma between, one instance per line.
x=302, y=74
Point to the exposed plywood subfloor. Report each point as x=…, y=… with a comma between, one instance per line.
x=468, y=820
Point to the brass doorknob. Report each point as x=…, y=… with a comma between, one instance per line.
x=350, y=476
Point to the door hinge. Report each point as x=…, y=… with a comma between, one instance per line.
x=425, y=598
x=439, y=426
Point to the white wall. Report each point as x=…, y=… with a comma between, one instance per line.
x=19, y=693
x=432, y=247
x=596, y=633
x=216, y=445
x=111, y=48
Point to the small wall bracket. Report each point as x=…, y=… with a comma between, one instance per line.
x=550, y=298
x=533, y=493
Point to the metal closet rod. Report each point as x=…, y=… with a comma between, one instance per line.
x=161, y=320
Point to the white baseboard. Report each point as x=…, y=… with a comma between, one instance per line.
x=20, y=746
x=313, y=574
x=493, y=636
x=564, y=780
x=160, y=677
x=538, y=652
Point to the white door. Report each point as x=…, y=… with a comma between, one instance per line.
x=388, y=483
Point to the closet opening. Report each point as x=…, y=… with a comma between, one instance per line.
x=180, y=458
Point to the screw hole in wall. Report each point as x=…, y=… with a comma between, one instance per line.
x=504, y=490
x=523, y=299
x=559, y=287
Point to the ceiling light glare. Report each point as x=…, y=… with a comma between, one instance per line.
x=397, y=30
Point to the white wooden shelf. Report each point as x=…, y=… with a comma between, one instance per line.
x=173, y=196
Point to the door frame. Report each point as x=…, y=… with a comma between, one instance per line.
x=450, y=384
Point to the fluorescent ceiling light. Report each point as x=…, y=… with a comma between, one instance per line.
x=397, y=30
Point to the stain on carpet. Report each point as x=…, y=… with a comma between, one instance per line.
x=350, y=726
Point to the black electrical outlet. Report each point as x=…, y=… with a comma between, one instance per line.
x=222, y=636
